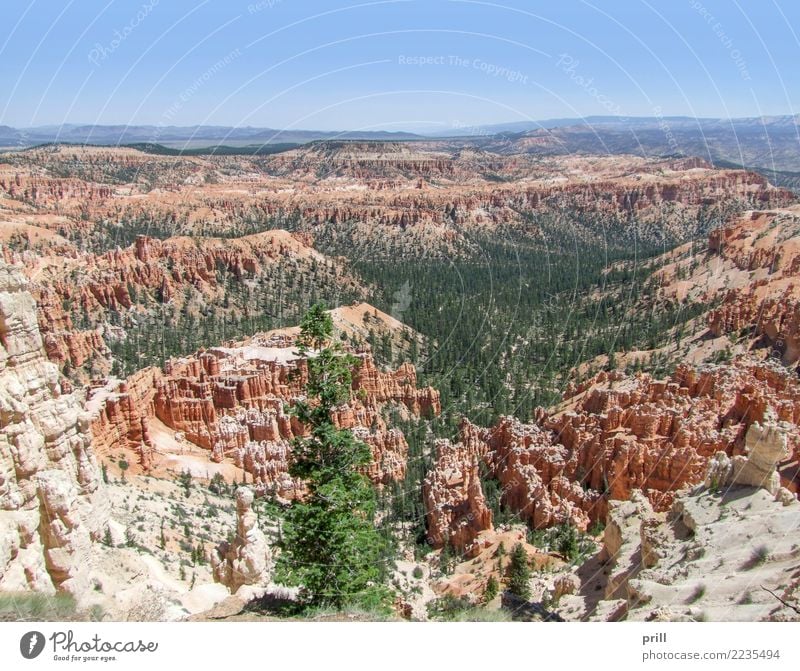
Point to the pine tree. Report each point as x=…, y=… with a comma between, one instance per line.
x=331, y=548
x=447, y=558
x=185, y=479
x=491, y=590
x=123, y=466
x=519, y=573
x=566, y=541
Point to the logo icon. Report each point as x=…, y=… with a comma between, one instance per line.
x=31, y=644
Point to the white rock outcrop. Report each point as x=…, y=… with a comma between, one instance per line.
x=765, y=447
x=52, y=504
x=247, y=559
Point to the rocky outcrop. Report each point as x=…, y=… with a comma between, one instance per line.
x=247, y=559
x=378, y=190
x=750, y=270
x=63, y=342
x=232, y=401
x=120, y=412
x=52, y=503
x=455, y=507
x=618, y=434
x=536, y=479
x=128, y=284
x=765, y=447
x=707, y=558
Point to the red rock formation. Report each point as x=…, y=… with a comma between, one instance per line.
x=67, y=191
x=456, y=510
x=620, y=434
x=159, y=268
x=753, y=268
x=120, y=412
x=62, y=341
x=231, y=401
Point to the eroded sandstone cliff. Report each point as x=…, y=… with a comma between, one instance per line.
x=232, y=401
x=614, y=435
x=52, y=504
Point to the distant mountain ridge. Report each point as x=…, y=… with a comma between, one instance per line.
x=190, y=135
x=179, y=136
x=769, y=144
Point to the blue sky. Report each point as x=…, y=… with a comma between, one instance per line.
x=394, y=64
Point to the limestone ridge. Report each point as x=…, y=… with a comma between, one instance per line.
x=52, y=502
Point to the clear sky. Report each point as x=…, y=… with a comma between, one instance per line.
x=393, y=64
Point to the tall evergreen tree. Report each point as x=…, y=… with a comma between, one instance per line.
x=519, y=573
x=330, y=545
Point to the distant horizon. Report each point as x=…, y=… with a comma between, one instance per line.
x=409, y=129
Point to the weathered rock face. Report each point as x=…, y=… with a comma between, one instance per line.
x=456, y=510
x=247, y=559
x=81, y=293
x=52, y=505
x=621, y=434
x=63, y=342
x=120, y=411
x=153, y=272
x=232, y=402
x=234, y=405
x=706, y=558
x=751, y=268
x=765, y=447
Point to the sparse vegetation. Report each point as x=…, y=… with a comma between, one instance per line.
x=185, y=480
x=758, y=556
x=217, y=485
x=123, y=467
x=491, y=590
x=565, y=539
x=37, y=607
